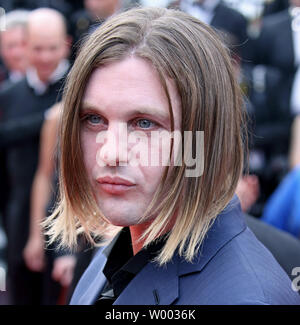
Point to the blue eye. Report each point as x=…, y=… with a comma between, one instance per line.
x=94, y=119
x=145, y=124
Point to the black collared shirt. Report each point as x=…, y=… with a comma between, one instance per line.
x=122, y=266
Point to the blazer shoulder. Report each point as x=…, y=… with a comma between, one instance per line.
x=243, y=272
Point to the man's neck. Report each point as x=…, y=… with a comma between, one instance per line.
x=39, y=84
x=136, y=232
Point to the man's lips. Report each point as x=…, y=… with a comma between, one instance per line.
x=115, y=184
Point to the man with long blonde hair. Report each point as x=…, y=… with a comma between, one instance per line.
x=152, y=134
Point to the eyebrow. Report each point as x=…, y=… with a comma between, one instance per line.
x=142, y=110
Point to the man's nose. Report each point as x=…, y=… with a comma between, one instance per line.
x=113, y=151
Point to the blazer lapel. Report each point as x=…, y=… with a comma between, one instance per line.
x=154, y=285
x=92, y=292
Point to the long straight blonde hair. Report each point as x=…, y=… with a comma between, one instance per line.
x=191, y=54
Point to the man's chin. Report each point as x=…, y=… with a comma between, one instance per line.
x=122, y=222
x=44, y=75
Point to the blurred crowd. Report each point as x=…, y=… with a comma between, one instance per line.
x=37, y=48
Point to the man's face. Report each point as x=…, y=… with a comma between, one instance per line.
x=101, y=8
x=13, y=49
x=123, y=104
x=45, y=49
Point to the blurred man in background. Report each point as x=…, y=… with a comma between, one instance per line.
x=221, y=17
x=12, y=52
x=12, y=45
x=23, y=107
x=85, y=20
x=14, y=63
x=275, y=92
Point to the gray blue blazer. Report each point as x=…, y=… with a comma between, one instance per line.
x=231, y=268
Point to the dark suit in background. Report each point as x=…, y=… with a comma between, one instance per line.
x=284, y=247
x=274, y=48
x=23, y=114
x=228, y=22
x=4, y=181
x=273, y=53
x=231, y=21
x=271, y=7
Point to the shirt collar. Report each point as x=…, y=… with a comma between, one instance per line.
x=122, y=266
x=40, y=87
x=120, y=254
x=15, y=76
